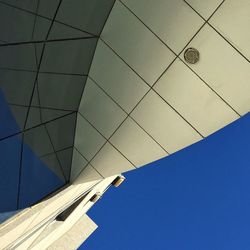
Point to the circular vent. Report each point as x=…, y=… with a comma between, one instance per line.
x=191, y=55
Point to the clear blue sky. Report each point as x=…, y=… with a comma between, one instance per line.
x=196, y=199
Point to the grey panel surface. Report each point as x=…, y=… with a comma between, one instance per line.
x=46, y=50
x=57, y=91
x=53, y=163
x=45, y=8
x=87, y=15
x=17, y=86
x=21, y=57
x=116, y=78
x=87, y=139
x=62, y=131
x=38, y=115
x=78, y=164
x=20, y=24
x=61, y=31
x=71, y=57
x=38, y=140
x=100, y=110
x=65, y=159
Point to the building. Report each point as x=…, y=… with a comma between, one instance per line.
x=92, y=89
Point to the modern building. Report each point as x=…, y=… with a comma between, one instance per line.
x=90, y=89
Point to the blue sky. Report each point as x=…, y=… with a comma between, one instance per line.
x=196, y=199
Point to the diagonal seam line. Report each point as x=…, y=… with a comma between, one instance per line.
x=177, y=56
x=248, y=60
x=54, y=152
x=22, y=137
x=36, y=57
x=42, y=72
x=88, y=163
x=40, y=61
x=132, y=12
x=217, y=30
x=151, y=88
x=210, y=87
x=234, y=47
x=48, y=41
x=95, y=82
x=35, y=20
x=125, y=62
x=20, y=172
x=25, y=130
x=91, y=61
x=20, y=169
x=46, y=129
x=57, y=151
x=107, y=139
x=207, y=21
x=131, y=111
x=74, y=135
x=42, y=107
x=42, y=16
x=182, y=51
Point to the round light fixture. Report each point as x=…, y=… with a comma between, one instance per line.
x=191, y=55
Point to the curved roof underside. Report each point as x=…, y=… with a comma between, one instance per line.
x=142, y=101
x=109, y=90
x=46, y=49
